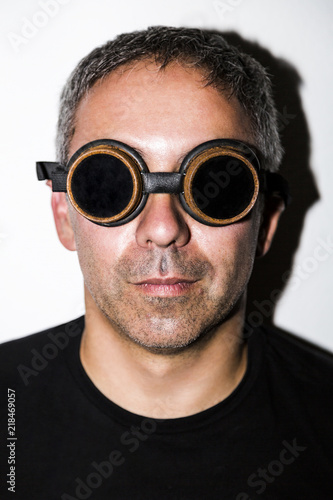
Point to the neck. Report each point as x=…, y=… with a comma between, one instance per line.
x=163, y=386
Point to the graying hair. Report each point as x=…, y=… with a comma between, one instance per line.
x=224, y=67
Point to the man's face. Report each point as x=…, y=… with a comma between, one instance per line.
x=163, y=280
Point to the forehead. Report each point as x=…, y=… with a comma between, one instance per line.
x=143, y=104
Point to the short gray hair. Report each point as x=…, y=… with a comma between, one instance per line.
x=224, y=67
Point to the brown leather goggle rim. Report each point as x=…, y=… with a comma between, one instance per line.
x=193, y=167
x=135, y=174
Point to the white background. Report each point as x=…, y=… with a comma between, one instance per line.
x=41, y=284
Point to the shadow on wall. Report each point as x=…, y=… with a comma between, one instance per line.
x=271, y=272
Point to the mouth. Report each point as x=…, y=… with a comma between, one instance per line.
x=165, y=287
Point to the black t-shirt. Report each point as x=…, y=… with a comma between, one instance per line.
x=270, y=439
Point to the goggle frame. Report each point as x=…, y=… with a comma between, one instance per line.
x=145, y=182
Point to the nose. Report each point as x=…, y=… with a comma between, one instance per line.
x=162, y=223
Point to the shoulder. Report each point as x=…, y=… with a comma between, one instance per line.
x=298, y=359
x=298, y=380
x=27, y=355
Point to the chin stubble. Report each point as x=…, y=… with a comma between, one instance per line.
x=163, y=325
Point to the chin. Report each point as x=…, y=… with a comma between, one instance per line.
x=165, y=346
x=167, y=336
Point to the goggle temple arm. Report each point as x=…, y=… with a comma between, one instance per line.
x=49, y=170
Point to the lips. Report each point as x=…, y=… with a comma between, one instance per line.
x=164, y=281
x=165, y=287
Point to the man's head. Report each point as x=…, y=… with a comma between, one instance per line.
x=164, y=279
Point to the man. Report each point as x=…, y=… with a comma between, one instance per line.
x=167, y=140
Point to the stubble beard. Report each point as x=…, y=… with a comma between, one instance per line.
x=163, y=325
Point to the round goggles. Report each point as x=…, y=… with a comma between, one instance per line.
x=108, y=182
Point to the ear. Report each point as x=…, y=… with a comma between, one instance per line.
x=272, y=210
x=62, y=220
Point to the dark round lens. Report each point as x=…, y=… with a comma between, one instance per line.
x=102, y=185
x=223, y=187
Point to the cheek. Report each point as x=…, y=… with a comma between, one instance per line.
x=230, y=250
x=98, y=247
x=228, y=241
